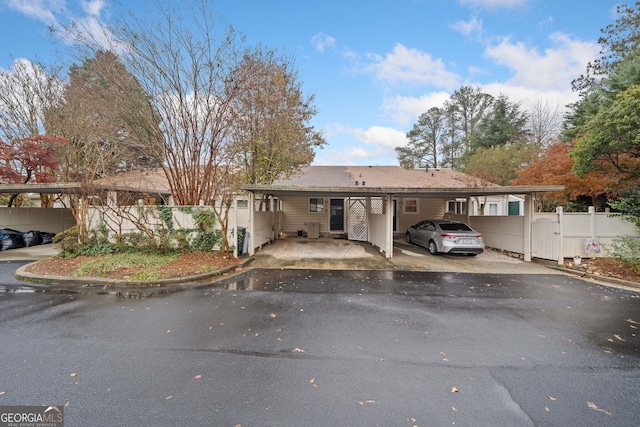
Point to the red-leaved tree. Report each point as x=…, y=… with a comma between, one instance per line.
x=30, y=160
x=554, y=167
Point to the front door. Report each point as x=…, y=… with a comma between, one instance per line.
x=336, y=219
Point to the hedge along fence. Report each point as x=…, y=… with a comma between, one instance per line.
x=178, y=227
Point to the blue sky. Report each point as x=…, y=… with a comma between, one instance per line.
x=376, y=65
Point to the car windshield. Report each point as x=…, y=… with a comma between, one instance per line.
x=455, y=227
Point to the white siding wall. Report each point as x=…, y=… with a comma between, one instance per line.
x=296, y=215
x=427, y=209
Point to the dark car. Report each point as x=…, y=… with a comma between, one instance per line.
x=440, y=236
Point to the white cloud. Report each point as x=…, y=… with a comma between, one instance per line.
x=93, y=7
x=405, y=110
x=41, y=10
x=492, y=4
x=381, y=136
x=346, y=156
x=467, y=28
x=357, y=146
x=552, y=69
x=322, y=41
x=528, y=96
x=405, y=65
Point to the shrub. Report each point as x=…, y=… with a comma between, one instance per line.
x=627, y=250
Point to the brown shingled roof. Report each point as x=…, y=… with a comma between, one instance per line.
x=358, y=181
x=142, y=181
x=381, y=177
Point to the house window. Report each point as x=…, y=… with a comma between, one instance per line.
x=243, y=204
x=457, y=206
x=514, y=208
x=411, y=206
x=316, y=205
x=493, y=209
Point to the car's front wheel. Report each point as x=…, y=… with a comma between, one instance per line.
x=432, y=248
x=408, y=238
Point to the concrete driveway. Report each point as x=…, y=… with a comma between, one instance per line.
x=340, y=254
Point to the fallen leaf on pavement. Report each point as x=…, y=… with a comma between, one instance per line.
x=362, y=402
x=298, y=350
x=168, y=397
x=454, y=389
x=197, y=377
x=313, y=382
x=453, y=408
x=546, y=408
x=73, y=374
x=594, y=407
x=552, y=398
x=618, y=337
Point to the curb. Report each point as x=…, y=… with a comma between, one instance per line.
x=605, y=280
x=103, y=285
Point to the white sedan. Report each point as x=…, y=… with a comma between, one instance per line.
x=440, y=236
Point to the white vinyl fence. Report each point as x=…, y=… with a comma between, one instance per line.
x=555, y=236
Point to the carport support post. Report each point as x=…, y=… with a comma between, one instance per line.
x=235, y=226
x=528, y=218
x=252, y=207
x=389, y=226
x=560, y=234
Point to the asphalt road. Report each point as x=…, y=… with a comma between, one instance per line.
x=329, y=348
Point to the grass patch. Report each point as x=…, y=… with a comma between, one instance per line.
x=107, y=264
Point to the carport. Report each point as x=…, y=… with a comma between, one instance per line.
x=386, y=186
x=53, y=220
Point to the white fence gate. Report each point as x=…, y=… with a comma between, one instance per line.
x=357, y=219
x=545, y=238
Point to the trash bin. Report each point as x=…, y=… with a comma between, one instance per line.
x=241, y=240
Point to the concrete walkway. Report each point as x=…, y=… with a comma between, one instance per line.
x=33, y=253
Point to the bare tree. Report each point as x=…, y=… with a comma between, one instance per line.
x=545, y=124
x=26, y=91
x=185, y=66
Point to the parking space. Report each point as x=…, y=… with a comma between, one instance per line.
x=340, y=254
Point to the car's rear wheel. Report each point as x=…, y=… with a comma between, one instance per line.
x=432, y=248
x=408, y=238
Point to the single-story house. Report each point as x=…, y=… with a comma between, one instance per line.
x=363, y=203
x=373, y=203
